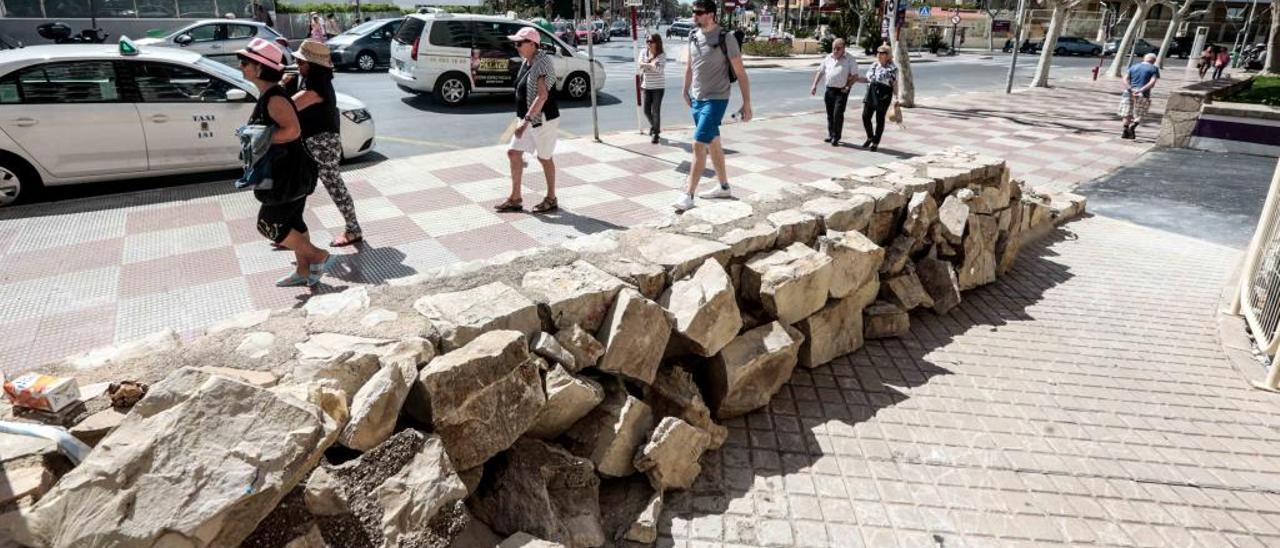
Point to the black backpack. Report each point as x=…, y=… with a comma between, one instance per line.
x=724, y=34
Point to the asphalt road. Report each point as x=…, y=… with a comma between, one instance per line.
x=408, y=124
x=416, y=124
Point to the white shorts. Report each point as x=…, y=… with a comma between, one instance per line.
x=539, y=140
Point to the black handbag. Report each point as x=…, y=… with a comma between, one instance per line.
x=293, y=176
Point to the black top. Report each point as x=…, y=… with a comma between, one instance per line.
x=262, y=116
x=321, y=117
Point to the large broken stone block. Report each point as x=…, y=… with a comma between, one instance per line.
x=674, y=393
x=746, y=374
x=832, y=332
x=375, y=408
x=648, y=278
x=525, y=540
x=922, y=212
x=953, y=216
x=842, y=214
x=883, y=320
x=979, y=267
x=633, y=508
x=789, y=283
x=939, y=279
x=198, y=462
x=704, y=309
x=345, y=373
x=795, y=226
x=543, y=490
x=322, y=494
x=97, y=426
x=670, y=458
x=584, y=347
x=350, y=301
x=887, y=200
x=461, y=316
x=321, y=348
x=610, y=433
x=548, y=347
x=906, y=291
x=482, y=396
x=882, y=227
x=569, y=398
x=748, y=241
x=634, y=335
x=854, y=260
x=579, y=293
x=679, y=254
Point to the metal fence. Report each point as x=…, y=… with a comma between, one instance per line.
x=1259, y=293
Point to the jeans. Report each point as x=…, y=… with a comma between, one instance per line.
x=880, y=111
x=836, y=99
x=1217, y=71
x=653, y=109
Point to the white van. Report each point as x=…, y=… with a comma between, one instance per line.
x=455, y=55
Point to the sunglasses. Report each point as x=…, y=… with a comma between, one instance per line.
x=700, y=12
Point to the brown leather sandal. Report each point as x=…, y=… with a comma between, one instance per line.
x=547, y=204
x=510, y=205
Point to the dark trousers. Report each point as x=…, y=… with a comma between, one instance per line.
x=879, y=111
x=836, y=99
x=653, y=109
x=1217, y=71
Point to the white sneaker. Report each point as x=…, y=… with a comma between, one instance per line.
x=683, y=203
x=717, y=192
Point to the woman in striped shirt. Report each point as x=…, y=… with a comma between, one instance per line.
x=653, y=63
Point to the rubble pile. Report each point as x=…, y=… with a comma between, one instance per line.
x=544, y=398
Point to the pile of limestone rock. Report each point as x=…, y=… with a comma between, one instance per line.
x=544, y=398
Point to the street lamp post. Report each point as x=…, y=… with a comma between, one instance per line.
x=1017, y=35
x=591, y=62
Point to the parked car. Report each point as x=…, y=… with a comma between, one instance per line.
x=587, y=32
x=365, y=46
x=455, y=55
x=602, y=30
x=217, y=39
x=89, y=113
x=680, y=28
x=620, y=28
x=565, y=32
x=1074, y=45
x=1140, y=48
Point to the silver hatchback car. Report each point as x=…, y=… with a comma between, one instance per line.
x=217, y=39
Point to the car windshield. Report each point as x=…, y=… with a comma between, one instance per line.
x=563, y=26
x=364, y=28
x=619, y=24
x=584, y=26
x=224, y=71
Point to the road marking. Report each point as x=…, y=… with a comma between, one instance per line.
x=449, y=146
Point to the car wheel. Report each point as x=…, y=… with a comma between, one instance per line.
x=366, y=61
x=452, y=89
x=18, y=182
x=576, y=86
x=1060, y=51
x=1095, y=52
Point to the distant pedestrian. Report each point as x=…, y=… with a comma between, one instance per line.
x=317, y=105
x=1205, y=61
x=1221, y=62
x=316, y=30
x=538, y=120
x=262, y=15
x=838, y=72
x=331, y=26
x=1138, y=82
x=715, y=62
x=653, y=80
x=293, y=174
x=882, y=78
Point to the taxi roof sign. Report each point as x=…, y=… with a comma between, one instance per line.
x=127, y=47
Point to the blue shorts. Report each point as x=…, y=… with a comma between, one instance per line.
x=707, y=114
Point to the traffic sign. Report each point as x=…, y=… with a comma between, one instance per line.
x=635, y=3
x=923, y=11
x=955, y=19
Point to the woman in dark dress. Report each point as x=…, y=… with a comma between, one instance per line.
x=262, y=63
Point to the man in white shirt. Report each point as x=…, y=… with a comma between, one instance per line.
x=838, y=72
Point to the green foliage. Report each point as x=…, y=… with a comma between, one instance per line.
x=337, y=8
x=934, y=42
x=1264, y=91
x=803, y=33
x=767, y=49
x=870, y=40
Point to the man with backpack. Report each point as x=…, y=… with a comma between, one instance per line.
x=715, y=62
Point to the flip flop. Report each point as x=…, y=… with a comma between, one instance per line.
x=294, y=280
x=324, y=267
x=349, y=242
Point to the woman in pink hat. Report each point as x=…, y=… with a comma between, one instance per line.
x=538, y=120
x=292, y=169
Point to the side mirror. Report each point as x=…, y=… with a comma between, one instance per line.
x=183, y=40
x=237, y=95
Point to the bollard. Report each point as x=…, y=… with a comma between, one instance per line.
x=1095, y=72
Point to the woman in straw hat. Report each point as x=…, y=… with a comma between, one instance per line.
x=280, y=217
x=318, y=111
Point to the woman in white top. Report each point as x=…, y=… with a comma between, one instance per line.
x=653, y=64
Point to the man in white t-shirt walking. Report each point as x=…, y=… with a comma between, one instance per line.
x=838, y=72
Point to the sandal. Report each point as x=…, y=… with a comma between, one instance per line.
x=510, y=205
x=547, y=204
x=344, y=240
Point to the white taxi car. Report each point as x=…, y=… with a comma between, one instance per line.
x=455, y=55
x=98, y=112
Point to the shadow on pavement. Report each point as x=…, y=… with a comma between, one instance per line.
x=818, y=411
x=496, y=103
x=108, y=195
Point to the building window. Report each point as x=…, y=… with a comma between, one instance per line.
x=197, y=8
x=66, y=8
x=23, y=8
x=157, y=8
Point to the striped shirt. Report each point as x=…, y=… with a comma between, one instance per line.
x=540, y=66
x=656, y=77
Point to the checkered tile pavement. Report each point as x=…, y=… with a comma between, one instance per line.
x=80, y=274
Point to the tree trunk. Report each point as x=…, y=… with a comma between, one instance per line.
x=906, y=84
x=991, y=32
x=1041, y=79
x=1272, y=63
x=1121, y=61
x=1101, y=37
x=1176, y=20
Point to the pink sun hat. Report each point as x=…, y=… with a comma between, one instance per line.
x=263, y=52
x=526, y=34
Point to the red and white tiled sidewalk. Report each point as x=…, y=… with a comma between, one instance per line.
x=80, y=274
